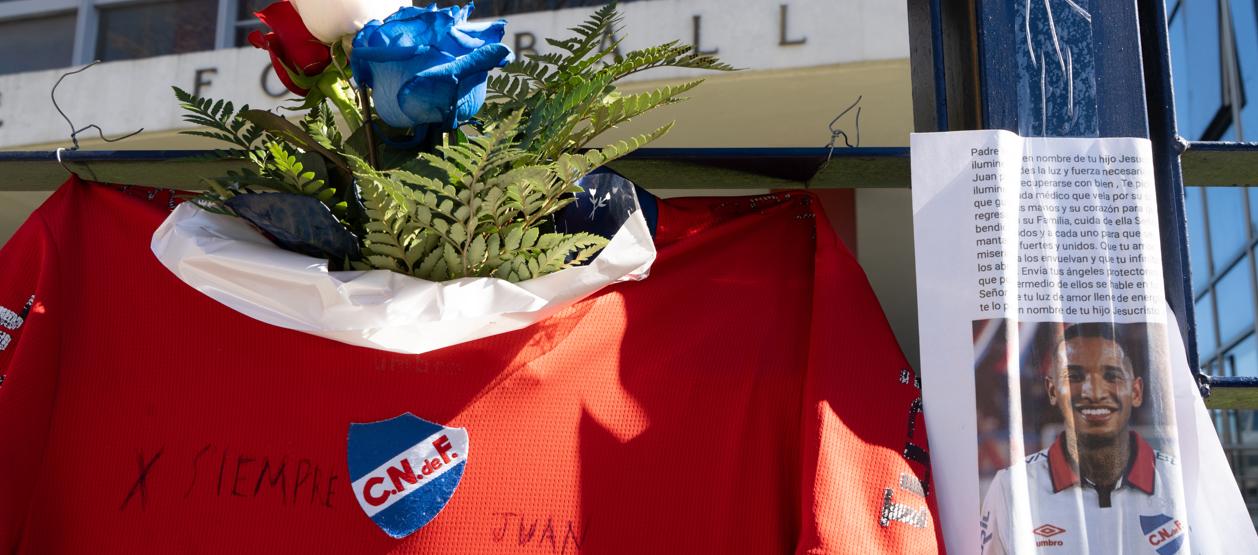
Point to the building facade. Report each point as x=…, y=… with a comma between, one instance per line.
x=1214, y=48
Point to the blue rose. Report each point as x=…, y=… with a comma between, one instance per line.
x=428, y=65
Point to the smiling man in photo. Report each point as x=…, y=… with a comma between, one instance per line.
x=1100, y=484
x=1095, y=386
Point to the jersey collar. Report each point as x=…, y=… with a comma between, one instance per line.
x=1139, y=474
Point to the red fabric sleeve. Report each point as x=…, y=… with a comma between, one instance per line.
x=29, y=351
x=866, y=471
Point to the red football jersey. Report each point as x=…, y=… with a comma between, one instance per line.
x=748, y=397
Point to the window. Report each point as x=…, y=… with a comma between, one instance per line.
x=1236, y=306
x=1207, y=340
x=1226, y=214
x=1198, y=243
x=1252, y=192
x=245, y=21
x=1195, y=34
x=37, y=43
x=1177, y=31
x=1245, y=22
x=1243, y=360
x=156, y=28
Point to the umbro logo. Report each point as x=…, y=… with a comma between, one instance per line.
x=1047, y=531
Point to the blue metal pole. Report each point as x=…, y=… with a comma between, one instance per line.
x=1099, y=68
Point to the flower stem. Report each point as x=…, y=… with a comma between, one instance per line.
x=334, y=88
x=364, y=97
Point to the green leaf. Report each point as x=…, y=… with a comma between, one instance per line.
x=296, y=136
x=391, y=251
x=477, y=250
x=415, y=253
x=383, y=262
x=521, y=269
x=494, y=247
x=429, y=264
x=530, y=238
x=549, y=240
x=511, y=242
x=451, y=259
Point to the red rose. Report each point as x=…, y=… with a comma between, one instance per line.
x=290, y=44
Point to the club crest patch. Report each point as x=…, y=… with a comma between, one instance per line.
x=404, y=470
x=1165, y=534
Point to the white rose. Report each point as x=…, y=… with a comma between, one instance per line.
x=330, y=20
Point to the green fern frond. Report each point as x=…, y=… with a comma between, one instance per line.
x=221, y=117
x=320, y=124
x=290, y=171
x=590, y=34
x=671, y=54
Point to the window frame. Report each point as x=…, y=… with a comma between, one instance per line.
x=87, y=23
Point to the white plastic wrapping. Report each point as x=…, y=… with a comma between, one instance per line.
x=231, y=262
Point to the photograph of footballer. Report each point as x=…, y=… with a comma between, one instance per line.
x=1076, y=439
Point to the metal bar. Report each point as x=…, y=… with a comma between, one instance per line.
x=942, y=59
x=1220, y=163
x=923, y=55
x=998, y=80
x=939, y=66
x=1233, y=392
x=1120, y=73
x=752, y=168
x=818, y=153
x=1054, y=69
x=1170, y=176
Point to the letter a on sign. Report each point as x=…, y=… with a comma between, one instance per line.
x=404, y=470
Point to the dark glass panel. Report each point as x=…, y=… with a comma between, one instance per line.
x=1207, y=339
x=1243, y=359
x=246, y=8
x=1227, y=223
x=246, y=22
x=37, y=43
x=1198, y=247
x=1253, y=206
x=1236, y=302
x=156, y=29
x=1245, y=22
x=244, y=28
x=1197, y=68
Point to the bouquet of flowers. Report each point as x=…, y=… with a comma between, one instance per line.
x=435, y=168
